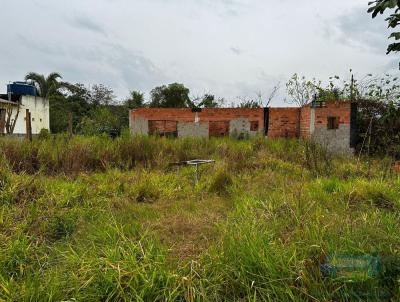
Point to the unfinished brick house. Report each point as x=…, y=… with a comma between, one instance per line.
x=332, y=124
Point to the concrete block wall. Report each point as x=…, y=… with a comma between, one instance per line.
x=139, y=125
x=239, y=127
x=189, y=129
x=335, y=140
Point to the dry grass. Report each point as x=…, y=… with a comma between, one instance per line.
x=188, y=227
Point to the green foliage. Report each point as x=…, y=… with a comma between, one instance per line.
x=379, y=128
x=60, y=227
x=85, y=105
x=15, y=257
x=221, y=182
x=75, y=103
x=246, y=103
x=135, y=100
x=172, y=96
x=46, y=86
x=206, y=101
x=44, y=134
x=379, y=7
x=101, y=120
x=100, y=94
x=147, y=190
x=302, y=91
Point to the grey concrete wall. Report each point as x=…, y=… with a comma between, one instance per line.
x=312, y=120
x=189, y=129
x=139, y=125
x=335, y=140
x=239, y=127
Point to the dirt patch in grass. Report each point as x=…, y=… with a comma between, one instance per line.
x=188, y=227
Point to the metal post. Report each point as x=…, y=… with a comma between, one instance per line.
x=2, y=120
x=196, y=175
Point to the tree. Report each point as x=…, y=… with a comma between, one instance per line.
x=273, y=93
x=206, y=101
x=100, y=120
x=379, y=7
x=135, y=100
x=265, y=102
x=76, y=101
x=46, y=86
x=384, y=88
x=301, y=91
x=101, y=95
x=172, y=96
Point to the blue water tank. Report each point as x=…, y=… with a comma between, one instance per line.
x=21, y=88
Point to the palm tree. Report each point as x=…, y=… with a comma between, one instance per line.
x=46, y=86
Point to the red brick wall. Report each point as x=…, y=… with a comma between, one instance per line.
x=162, y=127
x=283, y=122
x=218, y=129
x=336, y=109
x=218, y=117
x=159, y=114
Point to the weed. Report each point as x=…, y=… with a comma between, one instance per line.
x=222, y=182
x=372, y=197
x=146, y=191
x=15, y=257
x=60, y=227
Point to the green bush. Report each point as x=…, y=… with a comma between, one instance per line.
x=44, y=134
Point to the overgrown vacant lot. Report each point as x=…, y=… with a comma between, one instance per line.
x=91, y=219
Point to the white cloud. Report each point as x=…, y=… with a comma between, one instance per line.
x=227, y=47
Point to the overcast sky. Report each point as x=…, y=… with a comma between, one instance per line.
x=229, y=48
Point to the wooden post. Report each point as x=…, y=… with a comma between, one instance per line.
x=2, y=121
x=70, y=124
x=28, y=125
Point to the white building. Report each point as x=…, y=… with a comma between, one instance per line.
x=17, y=106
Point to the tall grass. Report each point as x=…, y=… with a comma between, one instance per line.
x=128, y=227
x=65, y=155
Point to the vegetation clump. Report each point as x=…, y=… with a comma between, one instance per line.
x=221, y=182
x=147, y=191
